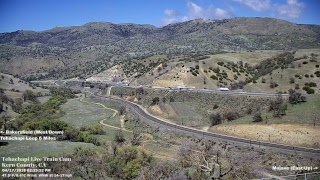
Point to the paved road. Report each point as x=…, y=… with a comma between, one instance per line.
x=138, y=110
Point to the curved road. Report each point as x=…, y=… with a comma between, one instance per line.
x=137, y=109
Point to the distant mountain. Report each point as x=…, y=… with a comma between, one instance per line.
x=95, y=46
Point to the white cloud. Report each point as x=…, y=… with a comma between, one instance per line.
x=195, y=11
x=291, y=10
x=171, y=12
x=257, y=5
x=172, y=16
x=222, y=14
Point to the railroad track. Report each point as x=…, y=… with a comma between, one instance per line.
x=137, y=109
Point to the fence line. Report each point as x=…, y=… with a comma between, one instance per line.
x=303, y=176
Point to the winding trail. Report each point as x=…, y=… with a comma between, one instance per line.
x=143, y=143
x=161, y=156
x=112, y=116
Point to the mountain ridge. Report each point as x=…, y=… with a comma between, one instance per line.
x=100, y=44
x=233, y=26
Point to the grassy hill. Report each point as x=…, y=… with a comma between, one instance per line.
x=252, y=71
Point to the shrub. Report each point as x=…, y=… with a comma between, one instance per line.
x=311, y=84
x=310, y=91
x=216, y=70
x=306, y=88
x=235, y=77
x=119, y=137
x=305, y=62
x=291, y=80
x=96, y=129
x=140, y=90
x=155, y=101
x=213, y=77
x=83, y=128
x=317, y=66
x=231, y=115
x=296, y=97
x=306, y=75
x=297, y=86
x=273, y=84
x=220, y=63
x=29, y=95
x=263, y=80
x=257, y=117
x=122, y=110
x=215, y=119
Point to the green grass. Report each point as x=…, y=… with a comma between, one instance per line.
x=149, y=59
x=43, y=99
x=21, y=86
x=77, y=114
x=41, y=148
x=188, y=114
x=80, y=114
x=282, y=77
x=303, y=113
x=249, y=57
x=110, y=133
x=115, y=121
x=108, y=104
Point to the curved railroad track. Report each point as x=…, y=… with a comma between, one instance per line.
x=137, y=109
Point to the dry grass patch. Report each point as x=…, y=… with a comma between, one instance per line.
x=156, y=110
x=290, y=134
x=167, y=83
x=250, y=57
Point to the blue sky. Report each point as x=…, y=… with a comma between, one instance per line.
x=38, y=15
